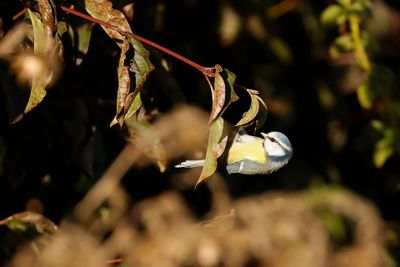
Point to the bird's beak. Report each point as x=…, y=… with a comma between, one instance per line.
x=264, y=135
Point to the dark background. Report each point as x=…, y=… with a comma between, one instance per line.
x=57, y=138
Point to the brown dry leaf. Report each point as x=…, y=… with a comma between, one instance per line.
x=218, y=94
x=41, y=223
x=139, y=64
x=124, y=85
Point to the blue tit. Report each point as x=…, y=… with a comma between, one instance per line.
x=253, y=155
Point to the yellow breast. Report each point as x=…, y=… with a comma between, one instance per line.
x=251, y=150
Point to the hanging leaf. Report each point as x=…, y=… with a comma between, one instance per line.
x=262, y=114
x=39, y=82
x=103, y=10
x=256, y=113
x=222, y=92
x=231, y=96
x=124, y=86
x=252, y=112
x=134, y=103
x=140, y=64
x=384, y=148
x=83, y=35
x=217, y=93
x=213, y=149
x=46, y=12
x=364, y=96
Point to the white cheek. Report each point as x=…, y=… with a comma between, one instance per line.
x=273, y=149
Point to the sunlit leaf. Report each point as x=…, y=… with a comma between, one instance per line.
x=39, y=83
x=103, y=10
x=252, y=112
x=133, y=105
x=384, y=148
x=218, y=94
x=344, y=43
x=46, y=12
x=364, y=96
x=84, y=34
x=213, y=149
x=24, y=220
x=331, y=14
x=140, y=64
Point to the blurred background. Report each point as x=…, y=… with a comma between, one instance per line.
x=342, y=120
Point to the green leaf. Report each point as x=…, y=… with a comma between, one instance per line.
x=140, y=64
x=364, y=96
x=134, y=105
x=252, y=112
x=344, y=43
x=213, y=149
x=83, y=34
x=38, y=87
x=384, y=148
x=331, y=14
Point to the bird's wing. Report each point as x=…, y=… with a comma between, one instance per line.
x=247, y=167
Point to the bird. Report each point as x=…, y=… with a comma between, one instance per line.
x=252, y=155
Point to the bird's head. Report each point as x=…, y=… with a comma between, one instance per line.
x=277, y=144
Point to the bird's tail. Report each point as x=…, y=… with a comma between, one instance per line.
x=190, y=164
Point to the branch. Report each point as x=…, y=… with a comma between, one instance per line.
x=206, y=71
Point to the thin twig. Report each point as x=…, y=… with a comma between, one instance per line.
x=206, y=71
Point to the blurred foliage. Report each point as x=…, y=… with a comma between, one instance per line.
x=326, y=70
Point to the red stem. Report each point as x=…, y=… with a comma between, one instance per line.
x=206, y=71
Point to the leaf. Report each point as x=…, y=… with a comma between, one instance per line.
x=262, y=114
x=39, y=83
x=217, y=93
x=124, y=85
x=222, y=92
x=213, y=149
x=46, y=12
x=256, y=113
x=364, y=96
x=252, y=112
x=21, y=221
x=344, y=43
x=384, y=148
x=231, y=95
x=331, y=14
x=84, y=34
x=134, y=106
x=140, y=64
x=103, y=10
